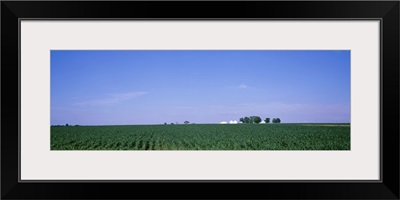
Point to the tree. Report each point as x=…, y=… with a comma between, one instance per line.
x=165, y=123
x=172, y=123
x=257, y=119
x=186, y=122
x=266, y=120
x=241, y=120
x=276, y=120
x=251, y=119
x=247, y=120
x=66, y=124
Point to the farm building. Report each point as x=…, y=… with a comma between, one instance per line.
x=223, y=122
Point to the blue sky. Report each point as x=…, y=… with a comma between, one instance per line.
x=103, y=87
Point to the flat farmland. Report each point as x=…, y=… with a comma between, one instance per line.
x=203, y=137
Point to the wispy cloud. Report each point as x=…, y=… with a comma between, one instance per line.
x=112, y=99
x=243, y=86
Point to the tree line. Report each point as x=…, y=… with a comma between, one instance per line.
x=257, y=120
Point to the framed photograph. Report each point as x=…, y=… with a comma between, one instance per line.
x=218, y=99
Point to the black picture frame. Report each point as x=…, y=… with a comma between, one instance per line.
x=386, y=11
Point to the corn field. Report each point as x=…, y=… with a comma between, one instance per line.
x=203, y=137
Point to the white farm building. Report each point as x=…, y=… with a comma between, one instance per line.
x=230, y=122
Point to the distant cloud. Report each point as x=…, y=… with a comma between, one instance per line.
x=243, y=86
x=112, y=99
